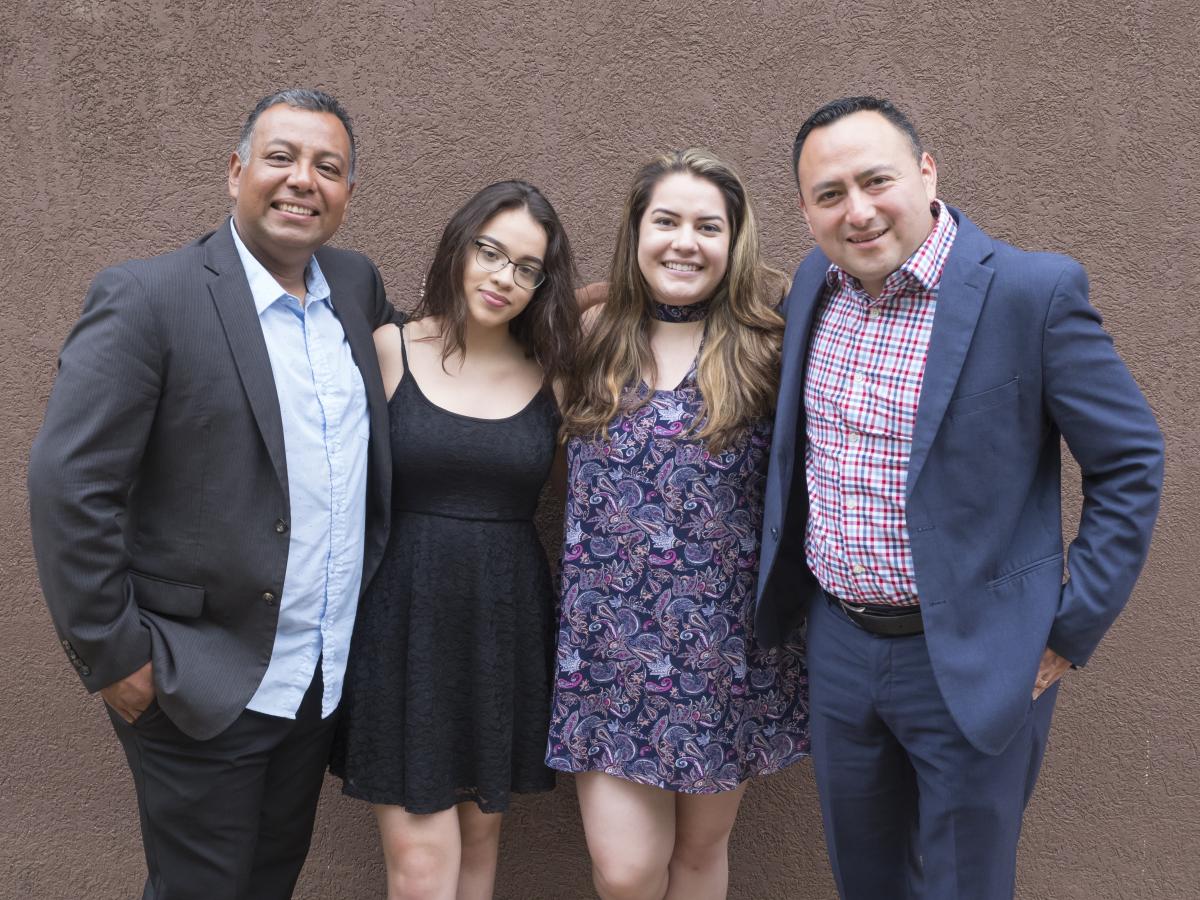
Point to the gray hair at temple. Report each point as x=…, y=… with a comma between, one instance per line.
x=299, y=98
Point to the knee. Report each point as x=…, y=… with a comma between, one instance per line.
x=629, y=877
x=418, y=872
x=700, y=852
x=481, y=833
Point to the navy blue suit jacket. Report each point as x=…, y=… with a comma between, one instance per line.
x=1017, y=360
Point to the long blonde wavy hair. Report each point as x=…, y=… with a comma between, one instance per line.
x=738, y=368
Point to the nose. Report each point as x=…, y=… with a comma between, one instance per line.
x=301, y=176
x=859, y=208
x=684, y=239
x=504, y=277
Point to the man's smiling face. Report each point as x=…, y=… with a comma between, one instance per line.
x=291, y=194
x=866, y=195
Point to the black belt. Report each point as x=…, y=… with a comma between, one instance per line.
x=900, y=621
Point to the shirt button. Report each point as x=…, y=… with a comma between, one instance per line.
x=858, y=570
x=851, y=503
x=853, y=437
x=281, y=526
x=859, y=377
x=269, y=598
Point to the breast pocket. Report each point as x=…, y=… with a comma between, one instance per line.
x=982, y=401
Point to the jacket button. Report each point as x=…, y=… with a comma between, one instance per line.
x=281, y=526
x=67, y=644
x=774, y=532
x=85, y=671
x=72, y=655
x=268, y=598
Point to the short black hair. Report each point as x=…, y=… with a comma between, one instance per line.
x=837, y=109
x=299, y=98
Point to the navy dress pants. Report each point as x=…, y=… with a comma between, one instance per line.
x=228, y=818
x=912, y=811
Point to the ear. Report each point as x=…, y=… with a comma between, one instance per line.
x=235, y=174
x=929, y=176
x=803, y=208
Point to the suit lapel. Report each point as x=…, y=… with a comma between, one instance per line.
x=961, y=293
x=235, y=307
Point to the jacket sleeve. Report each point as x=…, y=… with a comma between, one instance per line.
x=1111, y=432
x=81, y=467
x=380, y=311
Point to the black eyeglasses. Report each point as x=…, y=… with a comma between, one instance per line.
x=492, y=259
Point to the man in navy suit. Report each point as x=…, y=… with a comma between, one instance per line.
x=913, y=514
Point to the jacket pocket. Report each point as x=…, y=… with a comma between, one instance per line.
x=961, y=407
x=1026, y=569
x=170, y=598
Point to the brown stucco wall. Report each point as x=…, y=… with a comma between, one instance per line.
x=1068, y=126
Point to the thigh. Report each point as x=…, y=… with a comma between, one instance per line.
x=630, y=827
x=292, y=787
x=705, y=820
x=199, y=803
x=866, y=785
x=970, y=803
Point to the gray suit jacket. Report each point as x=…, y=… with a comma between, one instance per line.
x=158, y=486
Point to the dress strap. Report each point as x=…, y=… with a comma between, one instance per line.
x=403, y=347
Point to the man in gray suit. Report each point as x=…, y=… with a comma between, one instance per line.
x=208, y=495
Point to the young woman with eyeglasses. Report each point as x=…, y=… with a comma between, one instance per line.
x=448, y=685
x=663, y=705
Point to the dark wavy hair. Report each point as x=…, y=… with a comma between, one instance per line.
x=548, y=328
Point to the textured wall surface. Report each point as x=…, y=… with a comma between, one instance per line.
x=1067, y=126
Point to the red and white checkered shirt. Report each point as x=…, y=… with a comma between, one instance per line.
x=865, y=366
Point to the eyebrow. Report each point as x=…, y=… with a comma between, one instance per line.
x=865, y=173
x=288, y=145
x=670, y=212
x=500, y=246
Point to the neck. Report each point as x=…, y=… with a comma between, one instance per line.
x=486, y=339
x=287, y=270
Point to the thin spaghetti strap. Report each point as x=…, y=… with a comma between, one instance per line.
x=403, y=348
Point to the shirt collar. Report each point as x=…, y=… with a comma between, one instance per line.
x=265, y=289
x=926, y=264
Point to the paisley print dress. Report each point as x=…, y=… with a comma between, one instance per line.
x=658, y=678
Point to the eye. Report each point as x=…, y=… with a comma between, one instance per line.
x=826, y=196
x=665, y=221
x=489, y=253
x=878, y=181
x=278, y=157
x=711, y=228
x=330, y=169
x=530, y=272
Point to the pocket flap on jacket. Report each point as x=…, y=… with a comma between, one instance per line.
x=171, y=598
x=974, y=403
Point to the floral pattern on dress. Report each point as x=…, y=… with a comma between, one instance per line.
x=658, y=678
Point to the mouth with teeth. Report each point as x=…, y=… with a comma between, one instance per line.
x=867, y=238
x=293, y=208
x=682, y=267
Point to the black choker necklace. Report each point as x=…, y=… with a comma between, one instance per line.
x=692, y=312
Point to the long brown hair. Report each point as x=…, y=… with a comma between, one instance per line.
x=738, y=368
x=548, y=328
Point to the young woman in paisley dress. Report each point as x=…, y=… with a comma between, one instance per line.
x=448, y=685
x=663, y=704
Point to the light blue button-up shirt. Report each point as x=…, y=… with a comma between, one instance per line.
x=325, y=433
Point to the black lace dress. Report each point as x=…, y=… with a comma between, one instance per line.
x=447, y=692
